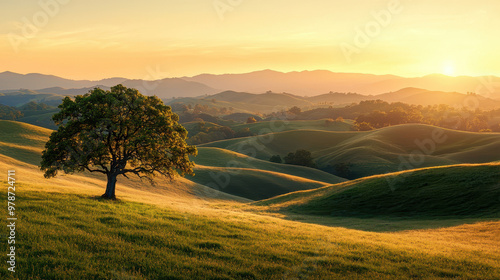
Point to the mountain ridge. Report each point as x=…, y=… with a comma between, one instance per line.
x=302, y=83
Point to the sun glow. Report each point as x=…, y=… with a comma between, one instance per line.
x=449, y=68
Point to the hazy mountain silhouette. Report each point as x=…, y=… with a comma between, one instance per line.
x=312, y=83
x=488, y=86
x=271, y=102
x=425, y=97
x=165, y=88
x=35, y=81
x=305, y=83
x=171, y=87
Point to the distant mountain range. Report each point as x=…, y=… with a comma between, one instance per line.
x=272, y=102
x=165, y=88
x=312, y=83
x=305, y=83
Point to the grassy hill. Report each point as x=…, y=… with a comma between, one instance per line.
x=183, y=230
x=22, y=141
x=288, y=125
x=243, y=102
x=21, y=97
x=379, y=151
x=450, y=191
x=256, y=179
x=426, y=97
x=73, y=236
x=42, y=119
x=21, y=146
x=252, y=178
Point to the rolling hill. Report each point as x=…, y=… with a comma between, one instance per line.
x=21, y=97
x=216, y=168
x=267, y=99
x=287, y=125
x=450, y=191
x=74, y=236
x=275, y=102
x=21, y=146
x=425, y=97
x=255, y=179
x=183, y=230
x=34, y=81
x=170, y=87
x=247, y=102
x=380, y=151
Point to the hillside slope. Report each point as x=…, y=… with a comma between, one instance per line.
x=458, y=190
x=22, y=144
x=379, y=151
x=252, y=178
x=68, y=236
x=286, y=125
x=183, y=230
x=428, y=98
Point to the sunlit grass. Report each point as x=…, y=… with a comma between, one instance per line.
x=68, y=236
x=450, y=191
x=183, y=230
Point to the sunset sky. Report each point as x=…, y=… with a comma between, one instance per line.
x=154, y=39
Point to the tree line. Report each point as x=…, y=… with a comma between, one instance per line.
x=374, y=114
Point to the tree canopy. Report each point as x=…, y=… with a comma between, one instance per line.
x=300, y=157
x=117, y=132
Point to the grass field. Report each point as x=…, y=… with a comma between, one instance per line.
x=450, y=191
x=256, y=179
x=287, y=125
x=70, y=236
x=380, y=151
x=252, y=178
x=184, y=230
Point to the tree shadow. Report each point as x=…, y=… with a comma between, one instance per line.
x=100, y=198
x=387, y=223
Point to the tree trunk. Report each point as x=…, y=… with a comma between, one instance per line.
x=110, y=187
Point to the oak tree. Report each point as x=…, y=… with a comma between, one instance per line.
x=117, y=132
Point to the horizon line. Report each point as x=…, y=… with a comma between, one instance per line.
x=250, y=72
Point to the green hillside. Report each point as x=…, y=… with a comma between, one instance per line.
x=248, y=177
x=21, y=97
x=252, y=178
x=68, y=236
x=22, y=141
x=379, y=151
x=450, y=191
x=217, y=157
x=243, y=102
x=183, y=230
x=42, y=119
x=287, y=125
x=254, y=184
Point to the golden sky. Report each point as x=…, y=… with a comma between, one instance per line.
x=151, y=39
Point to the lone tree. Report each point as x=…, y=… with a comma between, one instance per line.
x=276, y=159
x=117, y=132
x=300, y=157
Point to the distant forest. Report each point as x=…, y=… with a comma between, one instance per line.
x=206, y=123
x=374, y=114
x=367, y=115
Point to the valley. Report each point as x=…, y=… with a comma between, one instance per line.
x=243, y=217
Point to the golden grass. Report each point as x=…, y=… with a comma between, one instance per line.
x=470, y=251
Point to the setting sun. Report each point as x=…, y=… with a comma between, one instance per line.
x=449, y=68
x=379, y=37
